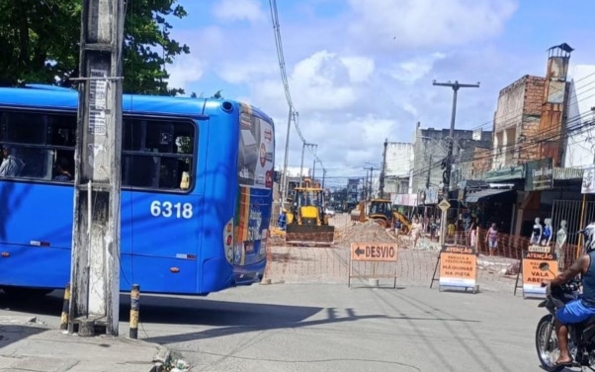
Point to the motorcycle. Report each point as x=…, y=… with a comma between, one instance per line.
x=581, y=343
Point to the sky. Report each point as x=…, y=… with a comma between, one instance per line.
x=361, y=71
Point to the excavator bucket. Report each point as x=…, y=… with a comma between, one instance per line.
x=309, y=234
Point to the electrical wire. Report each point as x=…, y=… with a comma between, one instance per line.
x=438, y=163
x=577, y=127
x=556, y=89
x=574, y=125
x=285, y=80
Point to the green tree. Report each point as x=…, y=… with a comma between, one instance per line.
x=217, y=95
x=39, y=42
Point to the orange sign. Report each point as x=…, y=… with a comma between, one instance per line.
x=533, y=275
x=378, y=252
x=458, y=267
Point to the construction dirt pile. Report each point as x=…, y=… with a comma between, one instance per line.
x=276, y=241
x=367, y=232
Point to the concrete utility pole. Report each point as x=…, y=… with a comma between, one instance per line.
x=304, y=145
x=95, y=264
x=383, y=170
x=284, y=179
x=446, y=175
x=314, y=170
x=368, y=185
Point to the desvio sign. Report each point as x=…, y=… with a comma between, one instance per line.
x=373, y=252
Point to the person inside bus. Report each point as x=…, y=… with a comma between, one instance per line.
x=11, y=165
x=64, y=174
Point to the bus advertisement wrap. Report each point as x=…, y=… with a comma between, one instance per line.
x=256, y=149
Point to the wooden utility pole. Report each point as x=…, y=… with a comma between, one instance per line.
x=95, y=264
x=448, y=164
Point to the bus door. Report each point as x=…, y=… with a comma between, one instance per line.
x=163, y=211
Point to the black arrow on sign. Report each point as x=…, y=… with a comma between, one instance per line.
x=359, y=251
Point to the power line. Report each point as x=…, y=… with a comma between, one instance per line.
x=284, y=79
x=569, y=120
x=535, y=141
x=520, y=109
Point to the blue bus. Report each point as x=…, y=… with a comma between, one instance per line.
x=197, y=180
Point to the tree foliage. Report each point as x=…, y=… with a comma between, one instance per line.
x=39, y=41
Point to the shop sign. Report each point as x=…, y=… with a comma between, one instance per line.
x=539, y=175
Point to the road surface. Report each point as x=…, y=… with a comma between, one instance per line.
x=324, y=327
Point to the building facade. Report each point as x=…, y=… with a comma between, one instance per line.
x=399, y=162
x=430, y=148
x=580, y=144
x=516, y=122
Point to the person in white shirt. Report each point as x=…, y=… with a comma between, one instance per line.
x=11, y=165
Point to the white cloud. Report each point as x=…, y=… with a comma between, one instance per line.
x=423, y=23
x=359, y=68
x=238, y=72
x=239, y=10
x=322, y=82
x=352, y=83
x=185, y=71
x=412, y=70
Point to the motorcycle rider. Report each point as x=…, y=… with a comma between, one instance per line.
x=579, y=310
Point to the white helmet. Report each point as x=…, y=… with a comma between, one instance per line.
x=589, y=237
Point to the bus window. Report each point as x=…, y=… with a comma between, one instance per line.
x=158, y=154
x=38, y=140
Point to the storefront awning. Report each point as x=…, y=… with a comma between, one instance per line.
x=477, y=196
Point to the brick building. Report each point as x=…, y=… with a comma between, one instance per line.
x=482, y=162
x=516, y=122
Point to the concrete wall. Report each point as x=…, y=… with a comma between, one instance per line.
x=398, y=162
x=396, y=185
x=432, y=143
x=580, y=147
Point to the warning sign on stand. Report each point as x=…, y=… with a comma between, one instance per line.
x=533, y=276
x=457, y=267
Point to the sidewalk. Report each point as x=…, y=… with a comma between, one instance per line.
x=26, y=345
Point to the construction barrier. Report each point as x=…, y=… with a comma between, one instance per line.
x=376, y=254
x=458, y=268
x=532, y=275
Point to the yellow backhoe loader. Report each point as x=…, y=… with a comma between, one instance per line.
x=306, y=221
x=380, y=210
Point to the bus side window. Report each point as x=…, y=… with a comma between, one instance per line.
x=35, y=138
x=158, y=154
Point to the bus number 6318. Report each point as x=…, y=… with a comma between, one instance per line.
x=168, y=209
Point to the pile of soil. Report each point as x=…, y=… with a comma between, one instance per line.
x=367, y=232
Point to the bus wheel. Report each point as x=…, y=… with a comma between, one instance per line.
x=25, y=292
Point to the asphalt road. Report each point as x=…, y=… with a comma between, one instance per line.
x=332, y=328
